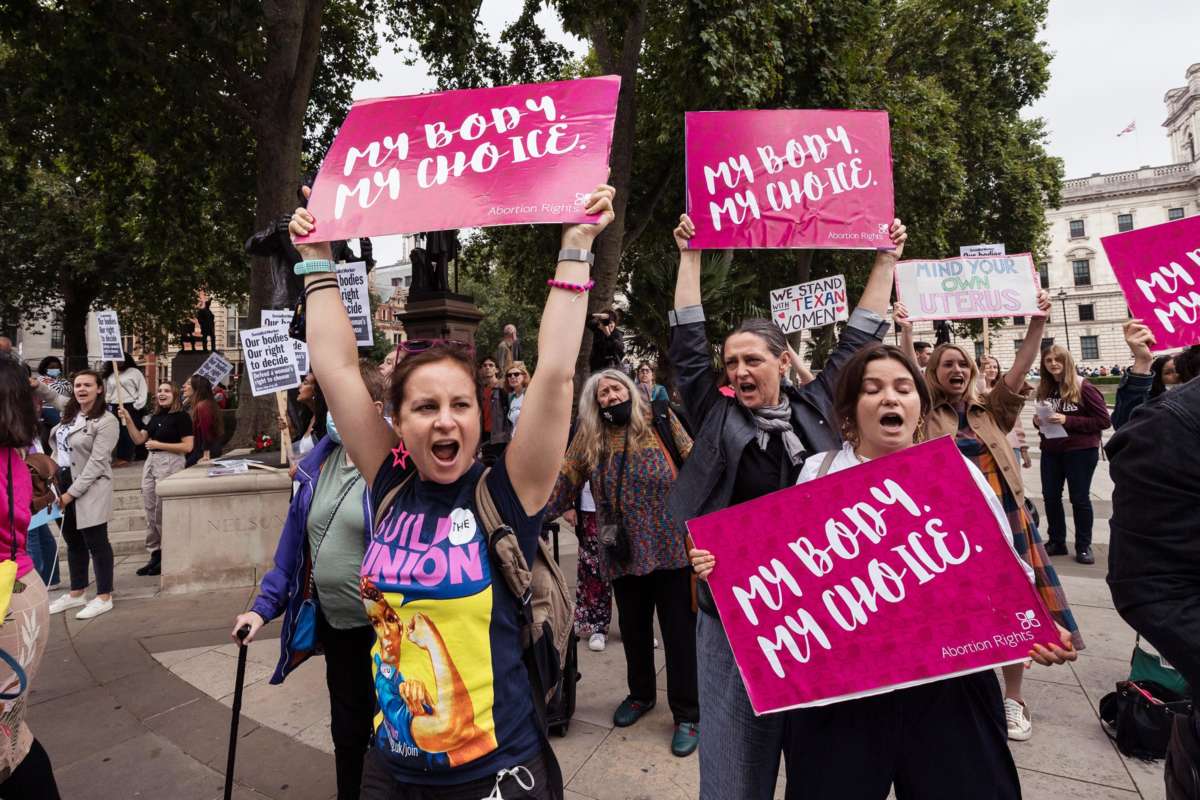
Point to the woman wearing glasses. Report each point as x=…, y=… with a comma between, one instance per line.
x=457, y=710
x=516, y=381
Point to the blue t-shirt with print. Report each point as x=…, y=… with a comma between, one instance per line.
x=454, y=697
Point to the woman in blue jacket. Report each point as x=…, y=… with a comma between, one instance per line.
x=318, y=558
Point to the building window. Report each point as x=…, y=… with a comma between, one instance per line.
x=1124, y=222
x=1019, y=321
x=1082, y=270
x=1077, y=231
x=1090, y=347
x=1044, y=275
x=1047, y=343
x=236, y=318
x=56, y=331
x=1087, y=312
x=979, y=348
x=127, y=344
x=1017, y=344
x=1174, y=214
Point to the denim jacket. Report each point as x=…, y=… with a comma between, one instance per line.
x=282, y=588
x=1131, y=395
x=724, y=427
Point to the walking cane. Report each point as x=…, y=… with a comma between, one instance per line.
x=242, y=633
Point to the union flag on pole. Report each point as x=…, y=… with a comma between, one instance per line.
x=1130, y=128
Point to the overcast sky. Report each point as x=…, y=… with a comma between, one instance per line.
x=1113, y=62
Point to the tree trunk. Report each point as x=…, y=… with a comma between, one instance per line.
x=77, y=301
x=281, y=99
x=608, y=247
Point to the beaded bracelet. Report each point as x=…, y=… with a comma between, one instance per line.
x=578, y=288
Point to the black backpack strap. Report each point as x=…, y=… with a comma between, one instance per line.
x=386, y=502
x=661, y=420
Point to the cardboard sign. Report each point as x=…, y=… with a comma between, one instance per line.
x=1159, y=272
x=973, y=250
x=810, y=305
x=216, y=368
x=356, y=296
x=270, y=360
x=110, y=336
x=273, y=317
x=818, y=178
x=890, y=574
x=969, y=288
x=469, y=158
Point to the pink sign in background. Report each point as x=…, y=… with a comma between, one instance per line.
x=917, y=582
x=1159, y=272
x=784, y=178
x=468, y=158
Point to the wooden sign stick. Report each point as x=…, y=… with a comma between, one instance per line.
x=285, y=436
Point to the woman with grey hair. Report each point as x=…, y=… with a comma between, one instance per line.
x=634, y=542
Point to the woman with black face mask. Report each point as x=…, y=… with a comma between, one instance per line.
x=631, y=460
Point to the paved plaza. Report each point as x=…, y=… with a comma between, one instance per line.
x=136, y=704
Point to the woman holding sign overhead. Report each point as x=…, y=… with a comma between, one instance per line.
x=457, y=711
x=940, y=739
x=746, y=446
x=980, y=426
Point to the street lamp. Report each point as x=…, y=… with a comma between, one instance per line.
x=1062, y=296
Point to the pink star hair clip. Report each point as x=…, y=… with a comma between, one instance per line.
x=400, y=455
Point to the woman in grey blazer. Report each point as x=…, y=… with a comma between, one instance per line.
x=83, y=443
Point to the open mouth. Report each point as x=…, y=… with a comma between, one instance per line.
x=891, y=423
x=746, y=388
x=958, y=381
x=445, y=451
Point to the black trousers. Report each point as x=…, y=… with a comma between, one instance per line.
x=84, y=544
x=669, y=592
x=940, y=741
x=1074, y=468
x=351, y=699
x=33, y=779
x=545, y=779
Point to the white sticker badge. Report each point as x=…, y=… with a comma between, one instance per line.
x=462, y=526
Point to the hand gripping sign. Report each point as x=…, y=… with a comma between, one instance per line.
x=886, y=575
x=468, y=158
x=786, y=178
x=1159, y=272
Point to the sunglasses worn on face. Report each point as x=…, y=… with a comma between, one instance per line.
x=515, y=375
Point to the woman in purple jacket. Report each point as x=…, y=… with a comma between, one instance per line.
x=1079, y=407
x=318, y=557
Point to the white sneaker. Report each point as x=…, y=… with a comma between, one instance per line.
x=95, y=608
x=65, y=601
x=1020, y=721
x=596, y=642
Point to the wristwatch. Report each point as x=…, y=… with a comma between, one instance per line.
x=309, y=266
x=577, y=255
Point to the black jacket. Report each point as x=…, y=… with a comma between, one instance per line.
x=607, y=349
x=276, y=243
x=1154, y=553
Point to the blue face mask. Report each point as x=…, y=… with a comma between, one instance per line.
x=53, y=373
x=330, y=429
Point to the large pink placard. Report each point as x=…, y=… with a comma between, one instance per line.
x=779, y=179
x=1159, y=272
x=886, y=575
x=469, y=158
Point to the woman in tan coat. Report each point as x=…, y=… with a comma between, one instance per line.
x=83, y=443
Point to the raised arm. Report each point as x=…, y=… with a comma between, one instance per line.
x=334, y=358
x=900, y=317
x=1138, y=379
x=535, y=455
x=877, y=295
x=689, y=351
x=1028, y=354
x=138, y=437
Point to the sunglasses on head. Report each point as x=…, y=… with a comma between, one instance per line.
x=421, y=345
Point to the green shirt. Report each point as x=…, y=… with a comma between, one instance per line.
x=338, y=544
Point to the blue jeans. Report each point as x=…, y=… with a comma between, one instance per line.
x=1075, y=469
x=43, y=551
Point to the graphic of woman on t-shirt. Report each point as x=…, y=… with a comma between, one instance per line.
x=440, y=726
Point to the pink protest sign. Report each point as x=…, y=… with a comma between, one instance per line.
x=469, y=158
x=763, y=179
x=886, y=575
x=1159, y=272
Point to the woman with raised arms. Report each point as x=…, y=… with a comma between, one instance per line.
x=747, y=445
x=468, y=727
x=940, y=739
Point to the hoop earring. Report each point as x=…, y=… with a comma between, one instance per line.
x=919, y=433
x=850, y=433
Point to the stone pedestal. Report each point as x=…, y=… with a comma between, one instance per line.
x=441, y=315
x=186, y=362
x=221, y=532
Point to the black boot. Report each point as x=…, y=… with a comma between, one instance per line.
x=153, y=566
